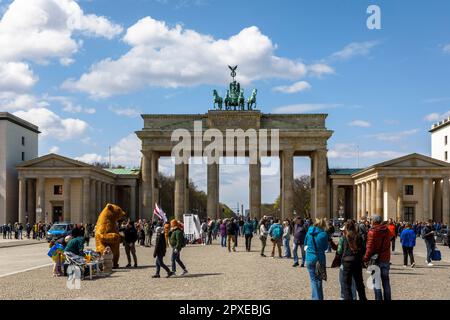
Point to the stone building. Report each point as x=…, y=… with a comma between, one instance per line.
x=18, y=143
x=440, y=134
x=410, y=188
x=55, y=188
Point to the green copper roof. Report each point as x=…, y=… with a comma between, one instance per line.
x=343, y=171
x=124, y=171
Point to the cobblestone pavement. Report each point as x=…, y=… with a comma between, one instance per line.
x=216, y=274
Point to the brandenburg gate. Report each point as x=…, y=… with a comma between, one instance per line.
x=303, y=135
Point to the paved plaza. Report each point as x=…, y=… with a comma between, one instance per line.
x=213, y=274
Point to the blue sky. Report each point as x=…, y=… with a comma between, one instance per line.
x=85, y=70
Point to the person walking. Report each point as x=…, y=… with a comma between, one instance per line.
x=204, y=232
x=351, y=251
x=299, y=241
x=177, y=242
x=428, y=234
x=248, y=233
x=131, y=237
x=232, y=231
x=393, y=232
x=276, y=234
x=317, y=242
x=408, y=241
x=378, y=250
x=209, y=231
x=223, y=233
x=160, y=252
x=263, y=235
x=255, y=225
x=287, y=239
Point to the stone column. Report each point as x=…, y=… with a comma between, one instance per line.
x=287, y=192
x=147, y=187
x=31, y=195
x=213, y=190
x=103, y=194
x=40, y=199
x=363, y=199
x=67, y=214
x=98, y=197
x=132, y=213
x=335, y=206
x=86, y=199
x=399, y=213
x=355, y=202
x=22, y=200
x=445, y=200
x=379, y=201
x=186, y=192
x=255, y=189
x=92, y=218
x=113, y=193
x=358, y=202
x=373, y=195
x=108, y=193
x=437, y=201
x=368, y=200
x=180, y=191
x=321, y=183
x=426, y=199
x=313, y=184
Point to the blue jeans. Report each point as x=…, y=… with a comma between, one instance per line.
x=430, y=248
x=342, y=284
x=176, y=259
x=295, y=252
x=384, y=269
x=316, y=284
x=160, y=264
x=223, y=241
x=287, y=248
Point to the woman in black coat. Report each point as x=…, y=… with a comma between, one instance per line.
x=160, y=252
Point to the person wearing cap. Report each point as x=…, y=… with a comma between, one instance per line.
x=176, y=237
x=379, y=244
x=160, y=252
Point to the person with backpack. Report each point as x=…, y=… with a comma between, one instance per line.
x=378, y=251
x=131, y=237
x=160, y=252
x=350, y=249
x=276, y=234
x=316, y=243
x=408, y=241
x=300, y=230
x=248, y=233
x=428, y=234
x=263, y=235
x=232, y=231
x=177, y=242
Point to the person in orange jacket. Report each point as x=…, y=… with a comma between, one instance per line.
x=166, y=232
x=393, y=232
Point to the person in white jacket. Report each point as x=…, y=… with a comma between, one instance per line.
x=287, y=239
x=263, y=234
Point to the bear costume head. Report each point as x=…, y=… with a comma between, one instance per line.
x=107, y=231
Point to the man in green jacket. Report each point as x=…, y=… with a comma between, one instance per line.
x=176, y=239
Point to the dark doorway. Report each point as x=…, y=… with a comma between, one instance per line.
x=58, y=214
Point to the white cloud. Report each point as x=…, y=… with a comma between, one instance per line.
x=127, y=112
x=354, y=49
x=90, y=158
x=16, y=76
x=53, y=126
x=304, y=107
x=320, y=69
x=126, y=152
x=54, y=149
x=175, y=57
x=42, y=29
x=394, y=136
x=360, y=123
x=294, y=88
x=434, y=117
x=446, y=48
x=10, y=101
x=350, y=151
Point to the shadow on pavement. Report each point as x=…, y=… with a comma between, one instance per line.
x=198, y=275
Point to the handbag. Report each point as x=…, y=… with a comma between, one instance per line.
x=320, y=271
x=336, y=261
x=436, y=255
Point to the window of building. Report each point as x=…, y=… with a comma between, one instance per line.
x=23, y=156
x=23, y=141
x=409, y=190
x=58, y=190
x=446, y=155
x=409, y=214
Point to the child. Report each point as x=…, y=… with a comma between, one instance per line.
x=56, y=253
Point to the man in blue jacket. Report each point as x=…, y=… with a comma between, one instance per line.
x=408, y=241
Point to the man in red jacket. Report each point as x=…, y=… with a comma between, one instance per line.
x=378, y=243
